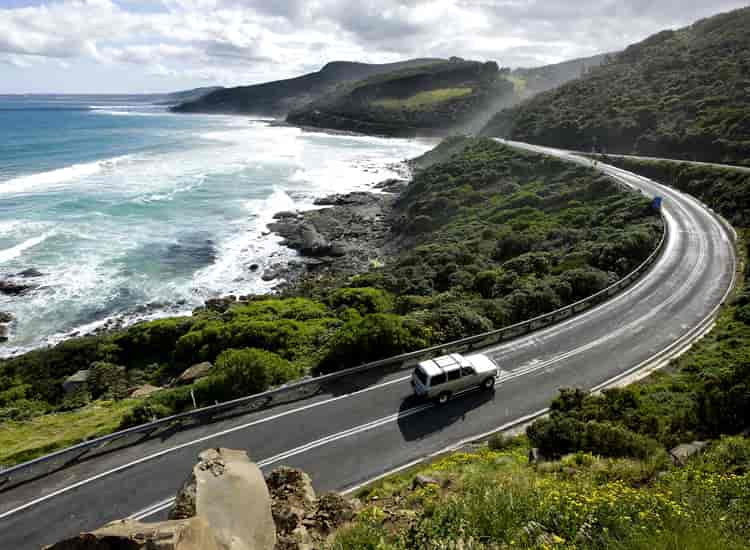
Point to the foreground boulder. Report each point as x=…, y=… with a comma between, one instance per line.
x=303, y=521
x=187, y=534
x=229, y=492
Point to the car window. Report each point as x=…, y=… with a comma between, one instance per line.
x=437, y=379
x=467, y=371
x=421, y=375
x=454, y=374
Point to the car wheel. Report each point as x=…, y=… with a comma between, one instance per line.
x=489, y=383
x=442, y=399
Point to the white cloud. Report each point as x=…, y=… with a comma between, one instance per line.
x=241, y=41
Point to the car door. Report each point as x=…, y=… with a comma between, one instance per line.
x=455, y=383
x=469, y=376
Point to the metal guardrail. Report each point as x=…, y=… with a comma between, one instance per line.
x=336, y=383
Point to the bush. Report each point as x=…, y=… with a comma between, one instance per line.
x=456, y=320
x=500, y=442
x=729, y=455
x=143, y=414
x=108, y=381
x=742, y=314
x=364, y=299
x=560, y=435
x=370, y=338
x=245, y=372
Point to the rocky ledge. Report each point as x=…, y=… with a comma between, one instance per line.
x=344, y=238
x=226, y=504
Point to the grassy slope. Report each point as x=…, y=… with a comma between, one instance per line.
x=486, y=237
x=21, y=441
x=677, y=94
x=422, y=99
x=490, y=499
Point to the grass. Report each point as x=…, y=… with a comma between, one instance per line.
x=519, y=84
x=21, y=441
x=495, y=499
x=423, y=99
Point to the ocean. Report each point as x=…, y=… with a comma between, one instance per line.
x=131, y=212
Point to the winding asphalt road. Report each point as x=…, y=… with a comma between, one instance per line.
x=344, y=440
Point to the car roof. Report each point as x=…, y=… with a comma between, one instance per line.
x=444, y=363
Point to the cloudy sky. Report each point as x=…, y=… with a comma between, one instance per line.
x=164, y=45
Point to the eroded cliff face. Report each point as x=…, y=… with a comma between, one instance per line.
x=226, y=504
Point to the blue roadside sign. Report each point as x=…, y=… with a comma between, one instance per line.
x=657, y=203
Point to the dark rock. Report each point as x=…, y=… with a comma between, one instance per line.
x=5, y=317
x=356, y=197
x=220, y=305
x=254, y=267
x=270, y=275
x=14, y=289
x=423, y=481
x=4, y=333
x=312, y=243
x=285, y=214
x=392, y=185
x=29, y=273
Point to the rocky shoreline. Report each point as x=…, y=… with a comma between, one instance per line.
x=347, y=236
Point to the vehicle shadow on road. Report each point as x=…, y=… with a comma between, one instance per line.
x=417, y=425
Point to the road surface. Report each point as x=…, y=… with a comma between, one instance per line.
x=344, y=440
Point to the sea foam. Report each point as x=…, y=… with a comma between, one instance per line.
x=19, y=249
x=53, y=178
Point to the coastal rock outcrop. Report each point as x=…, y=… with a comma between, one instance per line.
x=346, y=237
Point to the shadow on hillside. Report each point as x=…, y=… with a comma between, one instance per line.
x=437, y=417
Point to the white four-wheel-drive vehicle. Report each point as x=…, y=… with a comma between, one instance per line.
x=444, y=376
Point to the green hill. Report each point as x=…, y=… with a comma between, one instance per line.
x=680, y=94
x=429, y=99
x=279, y=97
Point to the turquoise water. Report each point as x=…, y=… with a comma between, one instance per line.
x=121, y=205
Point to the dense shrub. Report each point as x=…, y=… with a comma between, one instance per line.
x=559, y=435
x=250, y=370
x=370, y=338
x=364, y=300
